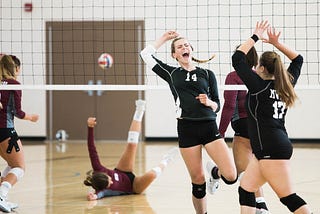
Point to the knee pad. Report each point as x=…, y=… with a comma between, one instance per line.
x=199, y=191
x=246, y=198
x=18, y=172
x=229, y=182
x=293, y=202
x=133, y=137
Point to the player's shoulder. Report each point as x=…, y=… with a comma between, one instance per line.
x=232, y=77
x=10, y=81
x=232, y=74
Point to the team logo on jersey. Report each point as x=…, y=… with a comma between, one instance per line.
x=116, y=176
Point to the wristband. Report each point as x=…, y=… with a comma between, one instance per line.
x=254, y=37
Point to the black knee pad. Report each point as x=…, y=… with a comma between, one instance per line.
x=246, y=198
x=199, y=191
x=293, y=202
x=229, y=182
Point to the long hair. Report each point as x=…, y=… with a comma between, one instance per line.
x=251, y=57
x=7, y=68
x=193, y=59
x=283, y=80
x=97, y=180
x=16, y=60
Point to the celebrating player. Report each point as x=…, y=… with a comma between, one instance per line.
x=196, y=97
x=234, y=111
x=270, y=93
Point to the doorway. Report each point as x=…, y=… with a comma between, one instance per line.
x=73, y=49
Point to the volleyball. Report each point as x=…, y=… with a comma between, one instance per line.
x=105, y=60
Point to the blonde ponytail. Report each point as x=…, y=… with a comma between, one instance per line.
x=203, y=60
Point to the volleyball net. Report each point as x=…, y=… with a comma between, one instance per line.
x=59, y=42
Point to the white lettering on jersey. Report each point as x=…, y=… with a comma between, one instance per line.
x=116, y=176
x=278, y=106
x=273, y=94
x=193, y=77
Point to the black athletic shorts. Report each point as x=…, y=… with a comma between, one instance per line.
x=130, y=175
x=240, y=127
x=5, y=133
x=271, y=143
x=192, y=133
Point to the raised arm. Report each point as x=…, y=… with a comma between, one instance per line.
x=257, y=34
x=164, y=38
x=149, y=50
x=273, y=38
x=148, y=56
x=94, y=158
x=249, y=78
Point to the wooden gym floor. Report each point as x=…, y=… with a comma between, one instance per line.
x=53, y=181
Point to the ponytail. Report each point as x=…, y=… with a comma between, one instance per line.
x=203, y=60
x=283, y=83
x=283, y=80
x=88, y=180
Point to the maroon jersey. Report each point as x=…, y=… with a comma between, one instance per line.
x=234, y=107
x=11, y=105
x=122, y=184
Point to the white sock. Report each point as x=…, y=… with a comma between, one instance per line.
x=4, y=188
x=138, y=115
x=260, y=199
x=164, y=162
x=157, y=170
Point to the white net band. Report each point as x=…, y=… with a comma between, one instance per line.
x=124, y=87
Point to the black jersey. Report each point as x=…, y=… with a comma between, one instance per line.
x=185, y=86
x=266, y=111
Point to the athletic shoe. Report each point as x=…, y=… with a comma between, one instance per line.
x=262, y=211
x=261, y=206
x=170, y=156
x=212, y=183
x=141, y=105
x=4, y=206
x=12, y=205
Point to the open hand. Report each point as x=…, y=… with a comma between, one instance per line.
x=261, y=27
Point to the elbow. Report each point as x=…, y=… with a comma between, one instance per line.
x=235, y=61
x=216, y=106
x=237, y=57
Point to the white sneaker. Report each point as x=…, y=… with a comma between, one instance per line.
x=141, y=105
x=262, y=211
x=212, y=184
x=170, y=156
x=4, y=206
x=12, y=205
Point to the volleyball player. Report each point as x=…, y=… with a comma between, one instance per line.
x=196, y=97
x=234, y=111
x=121, y=180
x=11, y=149
x=270, y=93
